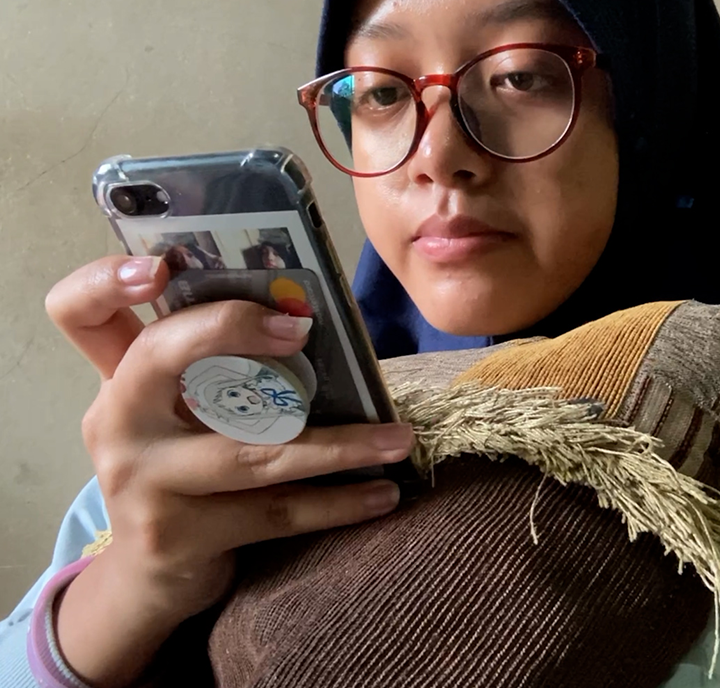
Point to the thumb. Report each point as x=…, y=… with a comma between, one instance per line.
x=92, y=306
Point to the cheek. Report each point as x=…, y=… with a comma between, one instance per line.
x=382, y=205
x=569, y=199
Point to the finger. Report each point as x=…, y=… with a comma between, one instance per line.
x=230, y=521
x=210, y=463
x=92, y=306
x=152, y=366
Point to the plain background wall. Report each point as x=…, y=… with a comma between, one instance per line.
x=81, y=80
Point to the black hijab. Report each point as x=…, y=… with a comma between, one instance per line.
x=665, y=245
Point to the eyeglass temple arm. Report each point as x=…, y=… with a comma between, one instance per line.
x=309, y=100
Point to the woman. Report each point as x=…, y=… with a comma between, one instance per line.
x=502, y=220
x=181, y=257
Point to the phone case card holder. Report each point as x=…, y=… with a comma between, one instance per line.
x=252, y=400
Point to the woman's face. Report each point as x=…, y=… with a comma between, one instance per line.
x=272, y=259
x=552, y=217
x=191, y=261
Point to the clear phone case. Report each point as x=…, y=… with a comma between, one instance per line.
x=251, y=222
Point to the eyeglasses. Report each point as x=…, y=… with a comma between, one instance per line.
x=517, y=102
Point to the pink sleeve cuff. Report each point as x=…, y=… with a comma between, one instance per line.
x=46, y=662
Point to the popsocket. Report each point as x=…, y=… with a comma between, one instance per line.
x=252, y=400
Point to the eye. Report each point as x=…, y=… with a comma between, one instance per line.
x=232, y=393
x=242, y=409
x=376, y=95
x=383, y=96
x=526, y=82
x=522, y=81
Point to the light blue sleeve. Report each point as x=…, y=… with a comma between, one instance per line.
x=692, y=671
x=86, y=517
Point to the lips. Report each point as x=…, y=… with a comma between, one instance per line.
x=456, y=239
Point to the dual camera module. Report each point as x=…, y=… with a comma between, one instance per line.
x=140, y=200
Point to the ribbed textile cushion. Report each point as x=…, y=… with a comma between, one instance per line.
x=451, y=590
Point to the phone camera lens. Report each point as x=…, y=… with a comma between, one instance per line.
x=125, y=201
x=140, y=200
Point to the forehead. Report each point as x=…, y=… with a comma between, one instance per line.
x=388, y=20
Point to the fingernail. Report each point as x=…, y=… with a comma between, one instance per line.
x=139, y=271
x=288, y=327
x=393, y=437
x=381, y=498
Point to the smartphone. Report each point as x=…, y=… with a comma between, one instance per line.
x=246, y=225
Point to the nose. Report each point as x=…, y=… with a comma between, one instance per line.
x=445, y=155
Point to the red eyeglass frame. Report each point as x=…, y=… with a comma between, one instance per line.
x=578, y=59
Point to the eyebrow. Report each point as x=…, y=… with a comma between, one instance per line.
x=503, y=13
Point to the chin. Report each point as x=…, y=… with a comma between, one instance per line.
x=462, y=319
x=465, y=316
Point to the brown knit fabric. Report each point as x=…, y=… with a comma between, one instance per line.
x=598, y=360
x=450, y=592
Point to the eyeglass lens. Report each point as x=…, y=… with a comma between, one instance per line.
x=518, y=104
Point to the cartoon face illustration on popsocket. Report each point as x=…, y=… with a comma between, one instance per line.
x=239, y=400
x=262, y=396
x=247, y=400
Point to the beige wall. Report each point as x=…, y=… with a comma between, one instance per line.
x=80, y=81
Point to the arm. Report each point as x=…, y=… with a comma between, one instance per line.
x=86, y=516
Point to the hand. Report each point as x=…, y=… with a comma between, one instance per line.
x=182, y=499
